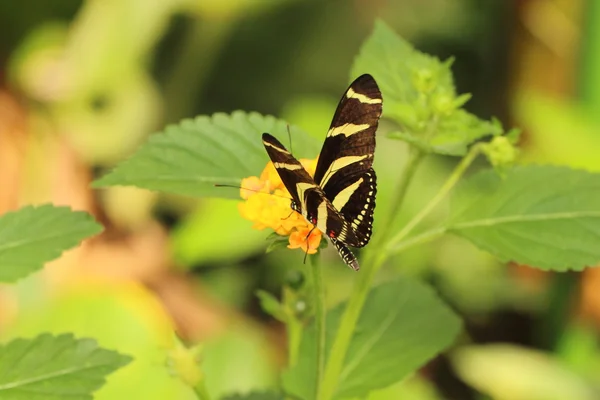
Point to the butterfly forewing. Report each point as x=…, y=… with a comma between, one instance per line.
x=344, y=167
x=350, y=142
x=292, y=173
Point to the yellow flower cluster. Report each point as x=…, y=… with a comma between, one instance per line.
x=268, y=206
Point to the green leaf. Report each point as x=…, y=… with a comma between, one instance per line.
x=403, y=325
x=543, y=216
x=32, y=236
x=413, y=388
x=256, y=396
x=276, y=241
x=193, y=156
x=126, y=318
x=402, y=72
x=419, y=94
x=459, y=129
x=55, y=367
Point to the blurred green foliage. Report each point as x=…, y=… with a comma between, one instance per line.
x=108, y=74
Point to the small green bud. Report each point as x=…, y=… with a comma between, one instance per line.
x=443, y=103
x=500, y=151
x=424, y=80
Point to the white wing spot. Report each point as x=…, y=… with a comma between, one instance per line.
x=347, y=129
x=276, y=148
x=291, y=167
x=361, y=97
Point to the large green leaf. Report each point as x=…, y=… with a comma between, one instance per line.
x=544, y=216
x=403, y=325
x=419, y=94
x=193, y=156
x=395, y=64
x=55, y=367
x=32, y=236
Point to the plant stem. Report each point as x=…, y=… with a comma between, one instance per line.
x=373, y=262
x=414, y=159
x=441, y=194
x=377, y=257
x=200, y=391
x=320, y=322
x=294, y=326
x=346, y=328
x=418, y=239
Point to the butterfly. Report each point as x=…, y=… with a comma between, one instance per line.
x=340, y=199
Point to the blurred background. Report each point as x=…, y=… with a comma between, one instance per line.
x=83, y=83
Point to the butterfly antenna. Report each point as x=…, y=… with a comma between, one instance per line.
x=252, y=190
x=290, y=138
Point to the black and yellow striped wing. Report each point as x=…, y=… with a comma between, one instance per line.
x=340, y=199
x=307, y=197
x=344, y=168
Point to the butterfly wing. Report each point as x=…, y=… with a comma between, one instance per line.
x=307, y=195
x=344, y=168
x=292, y=173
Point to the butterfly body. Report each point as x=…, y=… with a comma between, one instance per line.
x=340, y=199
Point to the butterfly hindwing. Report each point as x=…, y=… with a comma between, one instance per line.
x=356, y=203
x=347, y=256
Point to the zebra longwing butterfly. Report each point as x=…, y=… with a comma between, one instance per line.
x=340, y=199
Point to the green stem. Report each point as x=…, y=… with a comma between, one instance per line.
x=441, y=194
x=377, y=257
x=320, y=322
x=293, y=326
x=372, y=264
x=200, y=391
x=418, y=239
x=408, y=172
